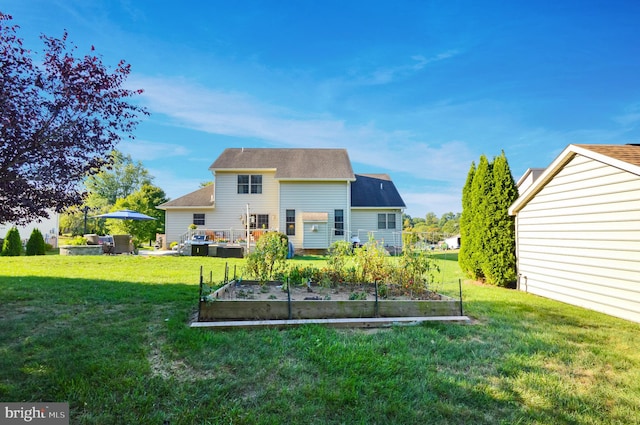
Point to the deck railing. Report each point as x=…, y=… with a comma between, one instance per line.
x=221, y=236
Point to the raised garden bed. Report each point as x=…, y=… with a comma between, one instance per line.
x=247, y=303
x=81, y=250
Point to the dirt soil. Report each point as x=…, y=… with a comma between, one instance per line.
x=273, y=291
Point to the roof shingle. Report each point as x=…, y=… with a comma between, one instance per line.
x=316, y=164
x=626, y=153
x=375, y=190
x=202, y=197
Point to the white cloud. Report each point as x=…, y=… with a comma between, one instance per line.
x=144, y=150
x=388, y=75
x=239, y=115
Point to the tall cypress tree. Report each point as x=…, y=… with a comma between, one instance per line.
x=499, y=264
x=464, y=256
x=482, y=189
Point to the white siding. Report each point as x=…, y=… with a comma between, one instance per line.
x=177, y=222
x=316, y=235
x=314, y=197
x=365, y=222
x=230, y=206
x=578, y=239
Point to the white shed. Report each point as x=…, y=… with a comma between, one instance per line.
x=578, y=230
x=453, y=242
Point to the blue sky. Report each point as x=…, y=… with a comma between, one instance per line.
x=415, y=89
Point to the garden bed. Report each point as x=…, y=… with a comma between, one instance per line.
x=243, y=301
x=81, y=250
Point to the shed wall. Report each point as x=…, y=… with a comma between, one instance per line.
x=578, y=239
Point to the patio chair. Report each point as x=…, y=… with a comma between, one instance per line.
x=92, y=239
x=122, y=244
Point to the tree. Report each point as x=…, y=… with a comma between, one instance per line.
x=59, y=118
x=452, y=224
x=119, y=179
x=487, y=231
x=12, y=246
x=431, y=219
x=499, y=267
x=145, y=201
x=464, y=256
x=481, y=191
x=35, y=244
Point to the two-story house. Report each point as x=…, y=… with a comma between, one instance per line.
x=311, y=195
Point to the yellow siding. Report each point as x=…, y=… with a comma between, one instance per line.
x=231, y=206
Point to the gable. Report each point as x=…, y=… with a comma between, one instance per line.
x=623, y=157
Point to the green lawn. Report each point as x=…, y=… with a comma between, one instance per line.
x=110, y=336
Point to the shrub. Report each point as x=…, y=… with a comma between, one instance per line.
x=269, y=257
x=35, y=244
x=78, y=240
x=12, y=246
x=370, y=261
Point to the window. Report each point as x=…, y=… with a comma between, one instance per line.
x=249, y=183
x=386, y=221
x=382, y=221
x=243, y=184
x=259, y=221
x=338, y=219
x=256, y=184
x=291, y=222
x=198, y=219
x=391, y=221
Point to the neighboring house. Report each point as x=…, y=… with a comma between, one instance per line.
x=578, y=230
x=49, y=227
x=528, y=178
x=311, y=195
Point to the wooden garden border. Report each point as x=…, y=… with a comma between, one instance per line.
x=220, y=312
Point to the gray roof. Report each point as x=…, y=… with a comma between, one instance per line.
x=307, y=164
x=202, y=197
x=375, y=190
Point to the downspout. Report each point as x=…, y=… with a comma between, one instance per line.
x=347, y=232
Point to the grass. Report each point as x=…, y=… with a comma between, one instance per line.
x=110, y=336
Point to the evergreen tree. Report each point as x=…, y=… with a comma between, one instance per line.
x=481, y=191
x=35, y=244
x=499, y=265
x=464, y=256
x=12, y=246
